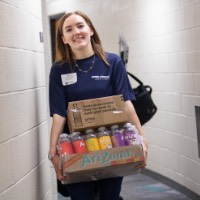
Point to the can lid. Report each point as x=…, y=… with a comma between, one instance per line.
x=115, y=126
x=127, y=125
x=89, y=131
x=64, y=135
x=75, y=133
x=102, y=128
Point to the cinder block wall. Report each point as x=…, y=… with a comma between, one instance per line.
x=164, y=41
x=24, y=169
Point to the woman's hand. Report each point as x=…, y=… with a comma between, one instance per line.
x=56, y=129
x=145, y=149
x=57, y=167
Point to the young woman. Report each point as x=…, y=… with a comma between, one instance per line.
x=84, y=71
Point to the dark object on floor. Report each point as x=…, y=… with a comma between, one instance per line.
x=144, y=105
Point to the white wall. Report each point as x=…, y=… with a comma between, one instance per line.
x=164, y=41
x=24, y=169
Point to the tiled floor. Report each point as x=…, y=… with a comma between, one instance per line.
x=144, y=187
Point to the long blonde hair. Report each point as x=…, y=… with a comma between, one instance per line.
x=64, y=52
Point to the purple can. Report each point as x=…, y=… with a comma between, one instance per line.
x=130, y=136
x=117, y=136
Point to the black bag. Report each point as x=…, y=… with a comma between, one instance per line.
x=144, y=105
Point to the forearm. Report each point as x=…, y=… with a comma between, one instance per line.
x=56, y=129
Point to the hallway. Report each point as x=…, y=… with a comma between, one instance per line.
x=163, y=38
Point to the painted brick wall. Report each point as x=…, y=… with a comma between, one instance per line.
x=24, y=169
x=164, y=41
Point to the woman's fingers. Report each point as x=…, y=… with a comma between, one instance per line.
x=57, y=167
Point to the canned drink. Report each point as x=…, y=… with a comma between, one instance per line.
x=130, y=135
x=104, y=138
x=64, y=145
x=117, y=136
x=139, y=138
x=91, y=140
x=78, y=143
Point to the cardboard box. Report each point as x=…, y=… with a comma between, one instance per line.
x=97, y=112
x=102, y=164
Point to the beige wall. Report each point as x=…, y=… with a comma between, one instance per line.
x=24, y=169
x=164, y=42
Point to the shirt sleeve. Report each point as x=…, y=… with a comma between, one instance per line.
x=121, y=82
x=57, y=100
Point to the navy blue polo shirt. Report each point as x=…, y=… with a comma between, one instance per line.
x=101, y=81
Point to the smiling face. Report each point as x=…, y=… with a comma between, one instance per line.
x=77, y=33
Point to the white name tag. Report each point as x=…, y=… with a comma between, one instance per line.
x=68, y=79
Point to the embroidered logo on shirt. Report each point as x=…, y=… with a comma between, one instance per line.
x=98, y=78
